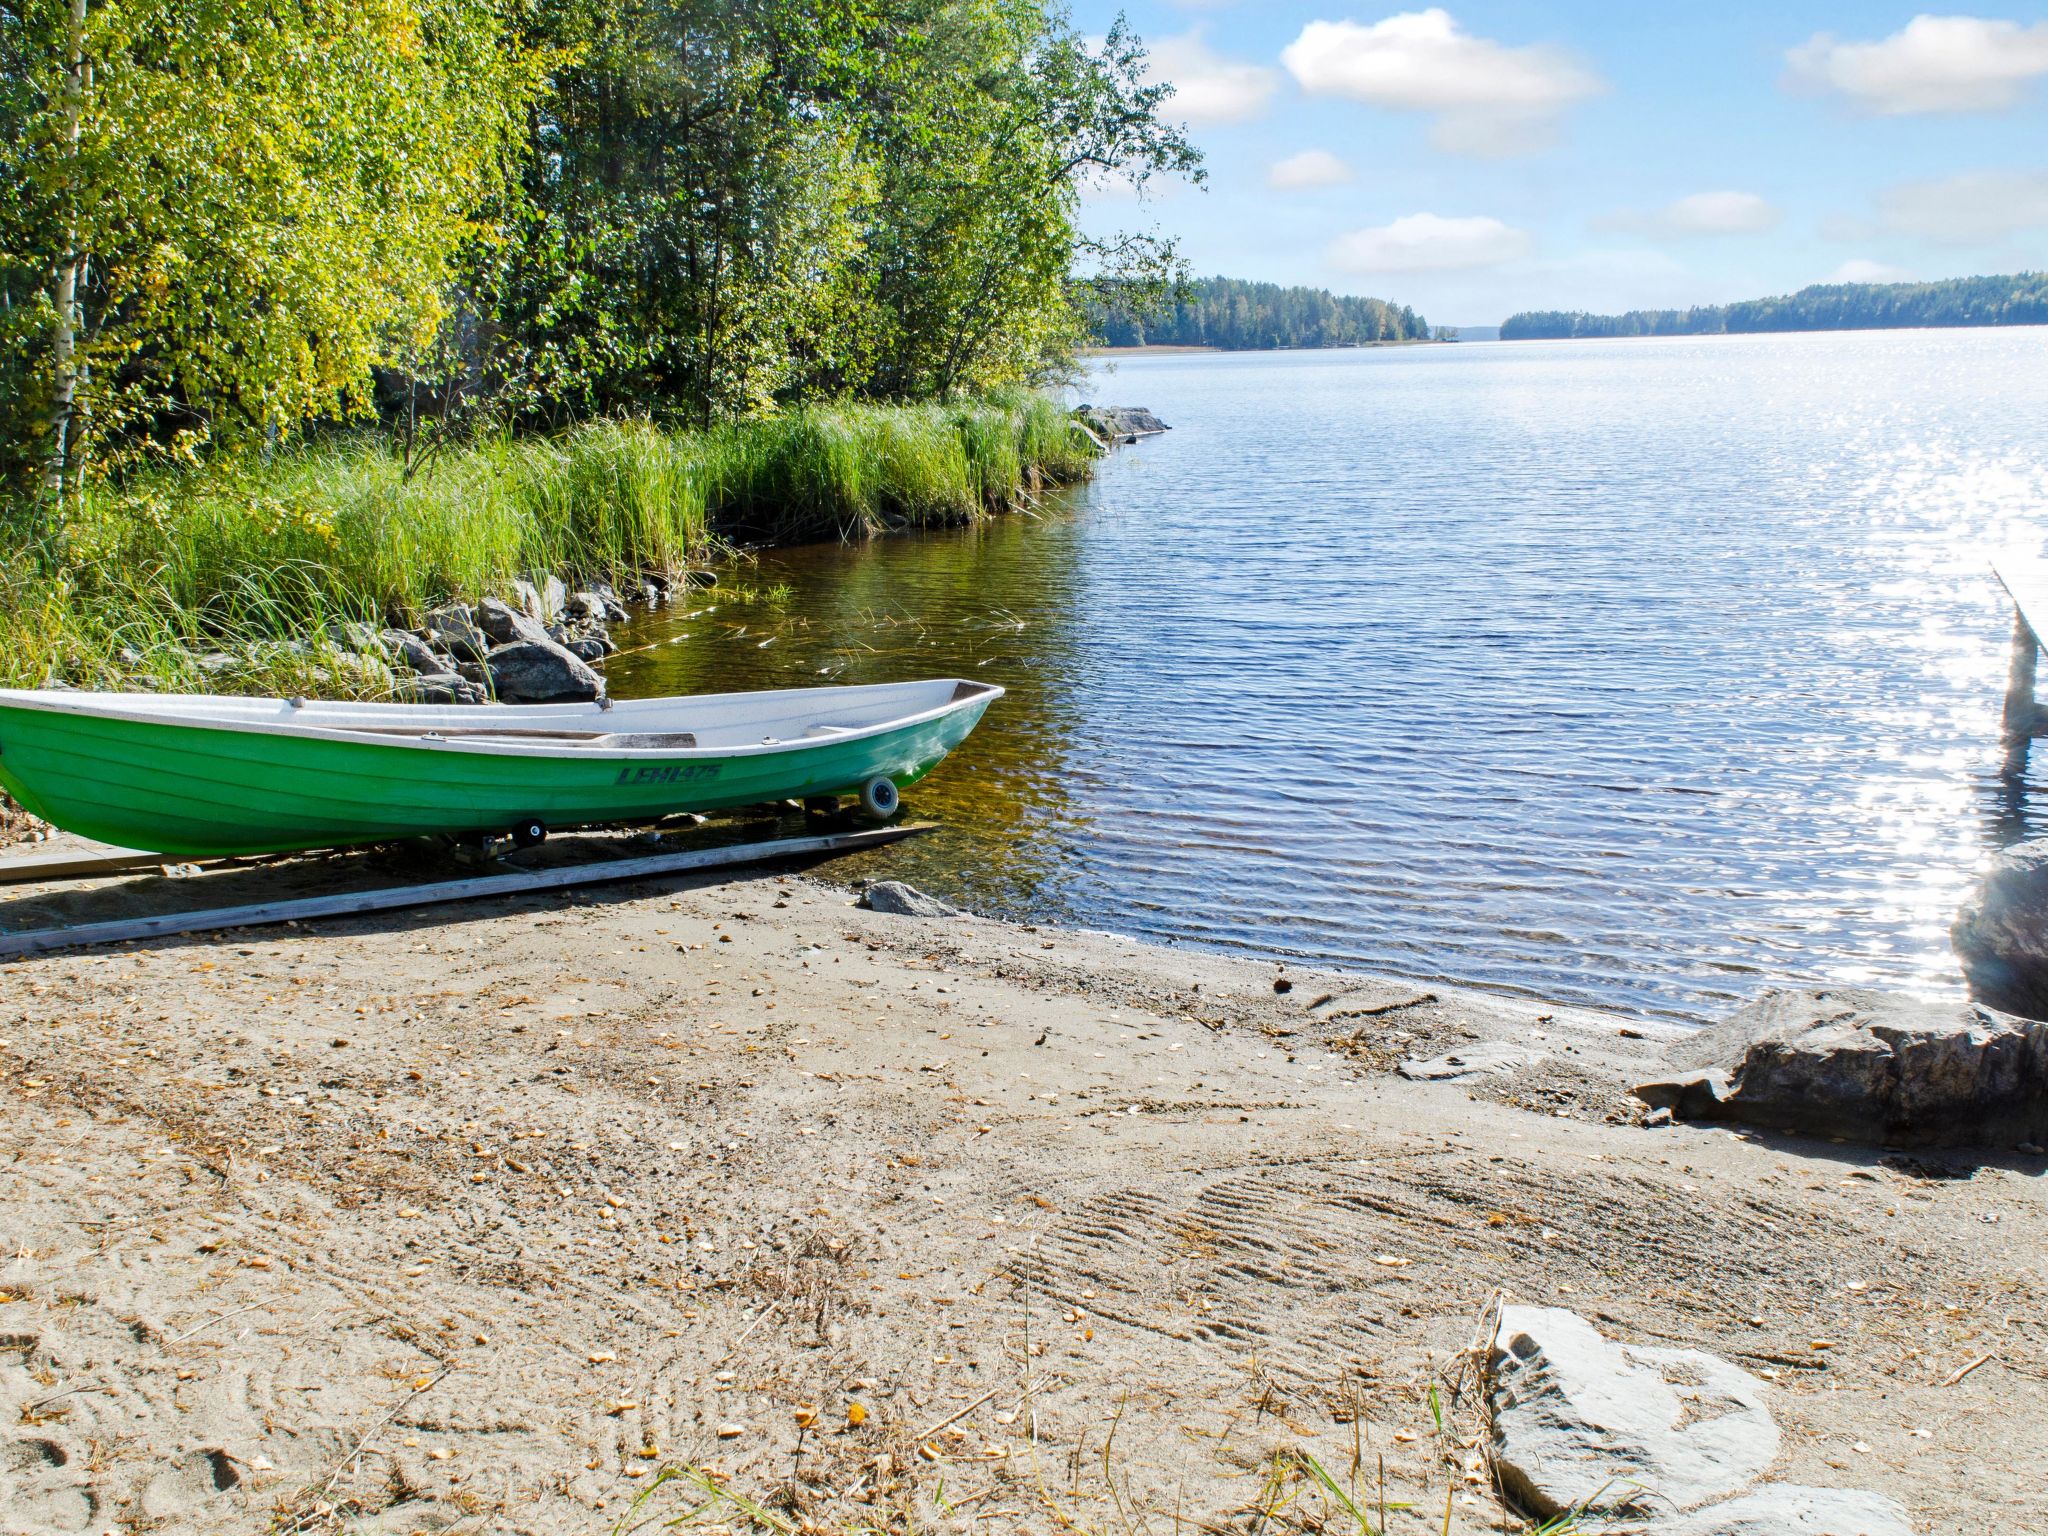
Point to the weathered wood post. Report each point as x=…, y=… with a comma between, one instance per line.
x=2020, y=713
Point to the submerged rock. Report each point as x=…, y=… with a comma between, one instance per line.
x=1866, y=1066
x=1786, y=1509
x=1582, y=1422
x=541, y=672
x=2001, y=933
x=906, y=901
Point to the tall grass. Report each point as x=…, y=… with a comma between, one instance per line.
x=251, y=564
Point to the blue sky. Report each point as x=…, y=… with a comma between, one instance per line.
x=1481, y=158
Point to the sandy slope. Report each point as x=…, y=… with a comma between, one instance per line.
x=480, y=1220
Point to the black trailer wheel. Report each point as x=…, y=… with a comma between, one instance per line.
x=530, y=833
x=880, y=798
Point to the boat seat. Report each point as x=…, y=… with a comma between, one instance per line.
x=615, y=741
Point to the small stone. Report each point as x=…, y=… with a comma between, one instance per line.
x=1468, y=1062
x=906, y=901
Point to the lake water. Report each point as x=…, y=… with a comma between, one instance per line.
x=1643, y=673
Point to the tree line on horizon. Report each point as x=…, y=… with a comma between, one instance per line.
x=228, y=222
x=2018, y=299
x=1241, y=316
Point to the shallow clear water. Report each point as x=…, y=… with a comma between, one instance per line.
x=1643, y=673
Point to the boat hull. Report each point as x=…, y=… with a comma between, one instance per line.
x=197, y=789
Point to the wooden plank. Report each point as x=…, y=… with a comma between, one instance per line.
x=34, y=867
x=391, y=898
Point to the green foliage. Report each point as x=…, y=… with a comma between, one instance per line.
x=1239, y=316
x=2021, y=299
x=246, y=203
x=732, y=208
x=228, y=222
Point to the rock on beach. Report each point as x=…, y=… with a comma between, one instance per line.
x=1868, y=1067
x=1581, y=1422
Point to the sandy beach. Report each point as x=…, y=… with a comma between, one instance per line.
x=483, y=1219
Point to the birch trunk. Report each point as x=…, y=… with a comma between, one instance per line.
x=65, y=288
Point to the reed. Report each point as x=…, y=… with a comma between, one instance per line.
x=231, y=573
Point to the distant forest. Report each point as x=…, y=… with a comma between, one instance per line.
x=2021, y=299
x=1250, y=317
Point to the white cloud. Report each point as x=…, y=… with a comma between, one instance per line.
x=1486, y=98
x=1861, y=271
x=1703, y=213
x=1932, y=64
x=1428, y=242
x=1310, y=168
x=1977, y=208
x=1208, y=88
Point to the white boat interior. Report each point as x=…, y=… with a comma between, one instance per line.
x=715, y=722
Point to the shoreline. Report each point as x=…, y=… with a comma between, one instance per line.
x=531, y=1200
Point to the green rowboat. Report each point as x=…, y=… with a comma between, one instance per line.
x=202, y=776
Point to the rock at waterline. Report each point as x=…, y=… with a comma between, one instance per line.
x=2001, y=933
x=906, y=901
x=1868, y=1067
x=591, y=608
x=454, y=630
x=1582, y=1422
x=1121, y=420
x=1785, y=1509
x=530, y=672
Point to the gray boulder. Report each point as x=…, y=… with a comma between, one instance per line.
x=1785, y=1509
x=906, y=901
x=589, y=648
x=2001, y=933
x=409, y=650
x=354, y=635
x=454, y=630
x=1866, y=1066
x=1122, y=420
x=440, y=688
x=587, y=608
x=1582, y=1422
x=541, y=673
x=506, y=625
x=541, y=601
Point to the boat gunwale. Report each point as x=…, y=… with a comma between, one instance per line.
x=62, y=703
